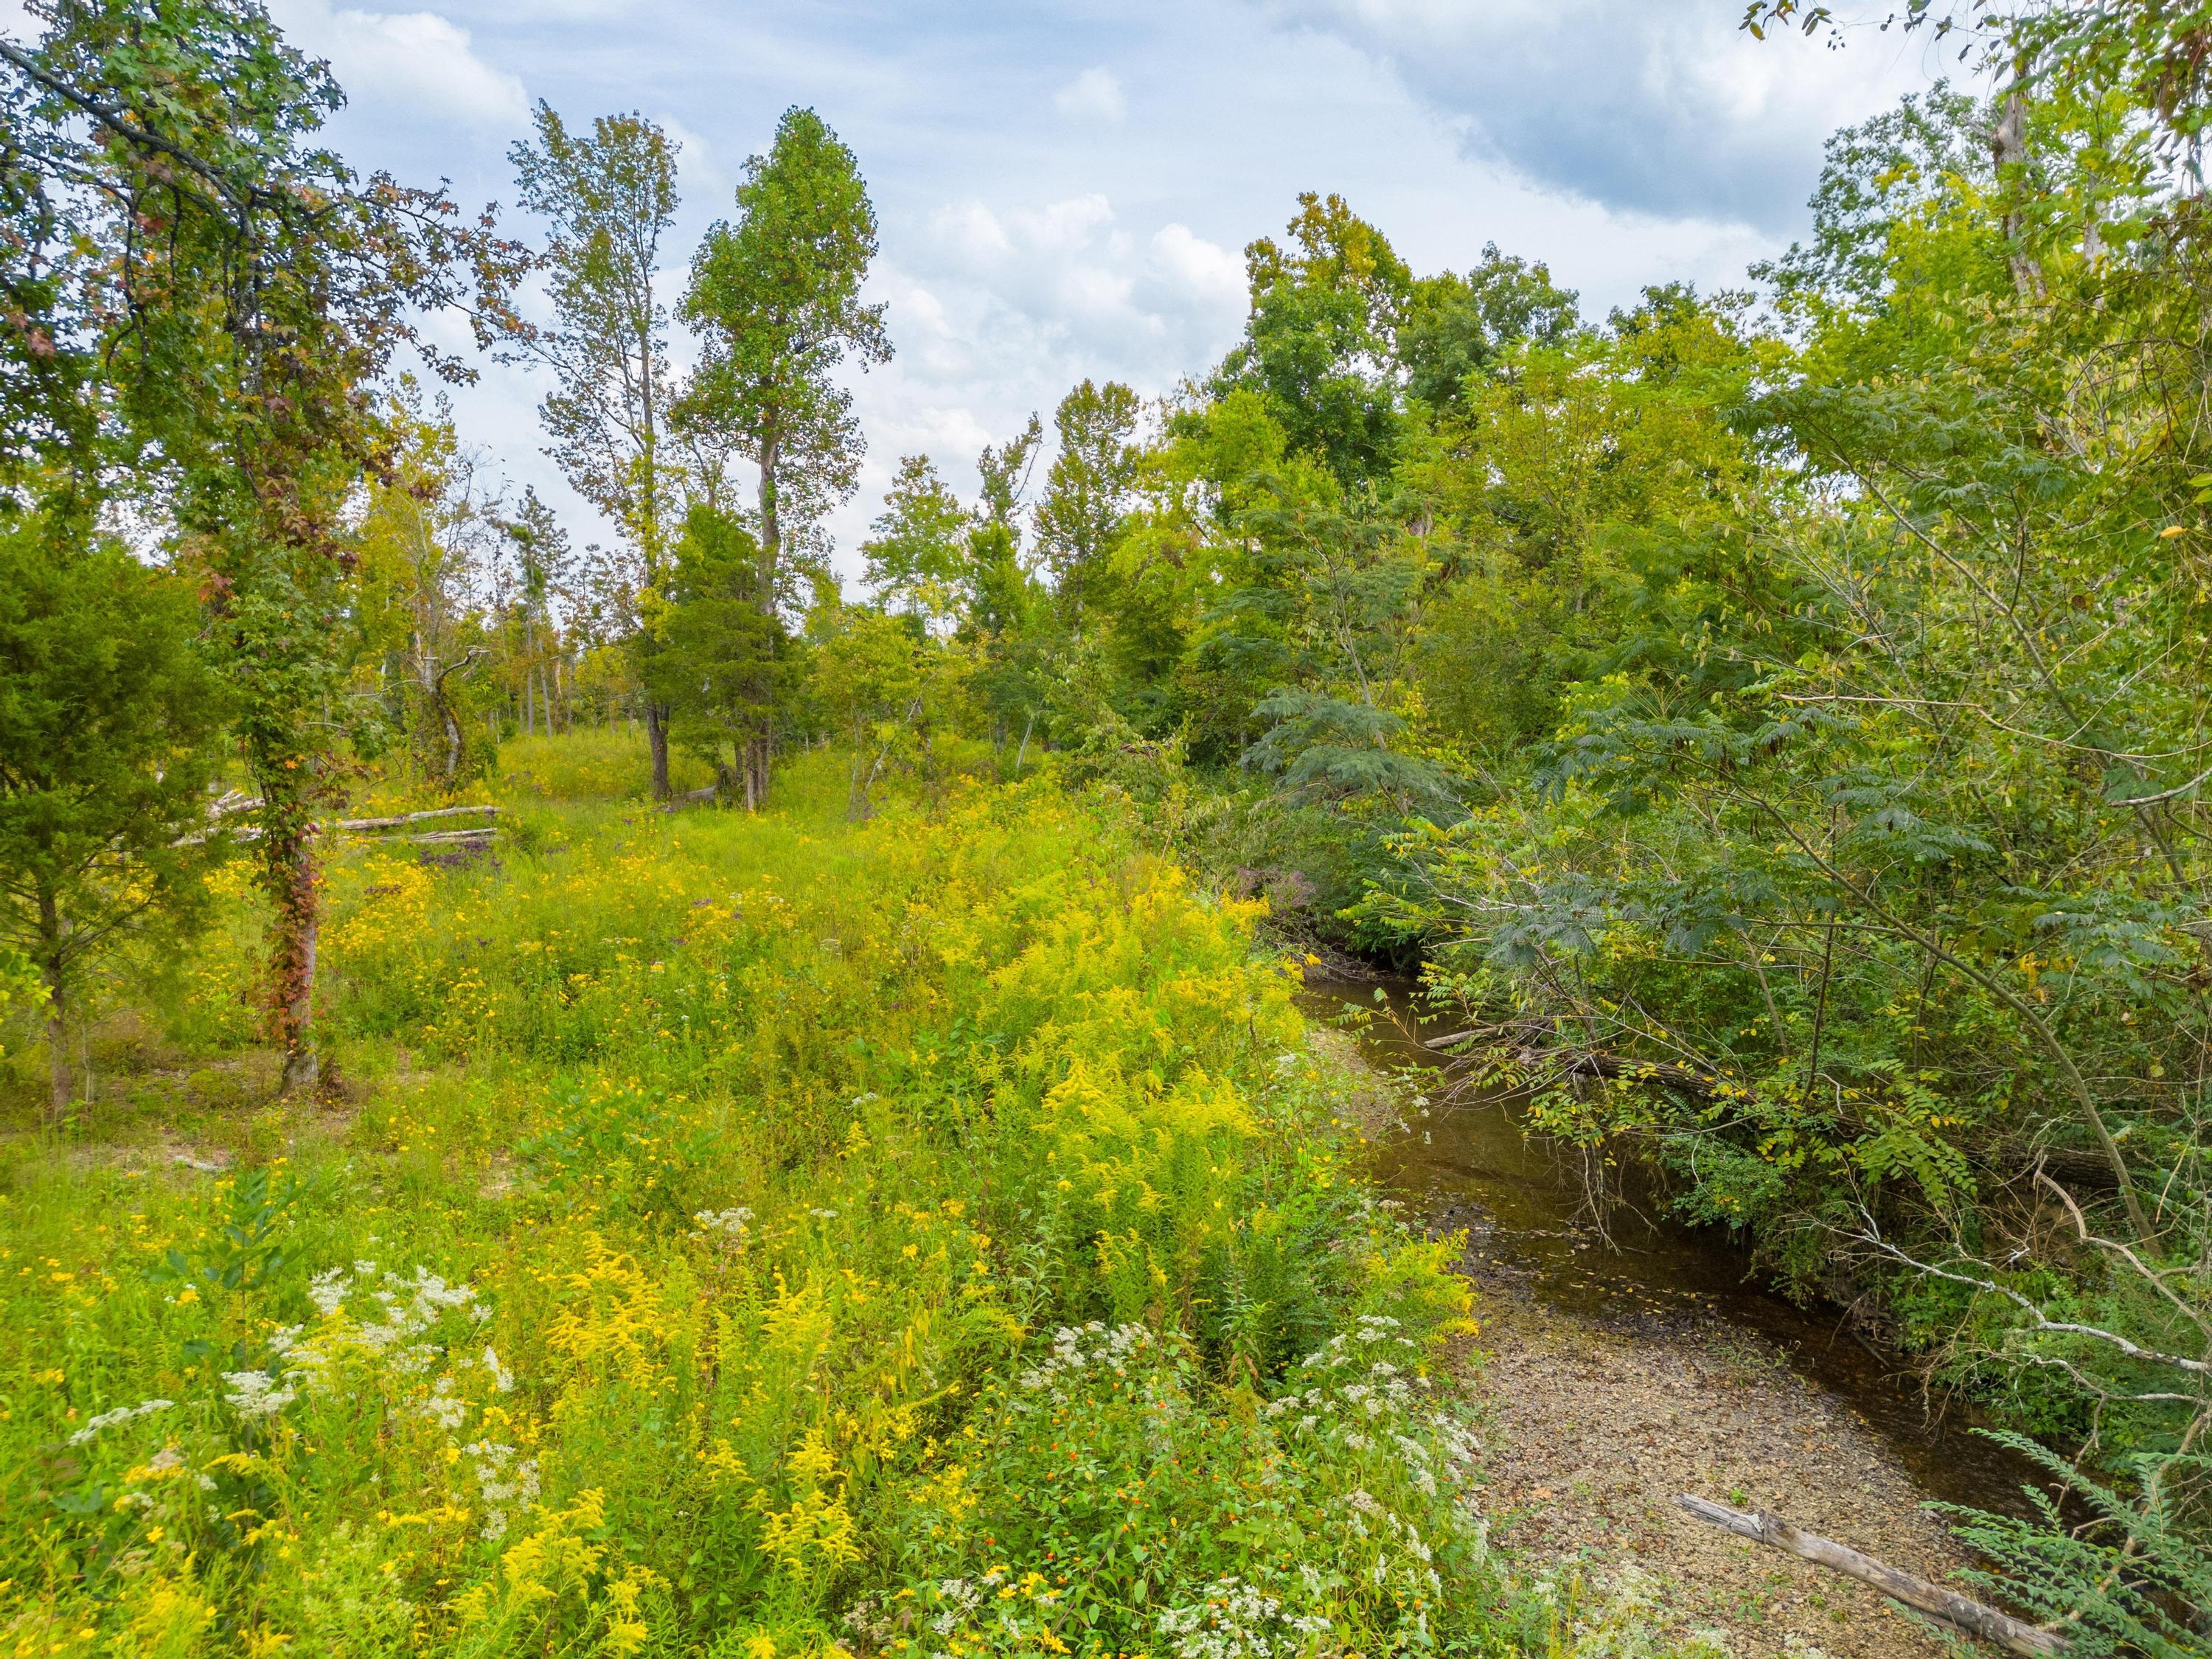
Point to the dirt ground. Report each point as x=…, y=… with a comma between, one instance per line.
x=1595, y=1425
x=1592, y=1432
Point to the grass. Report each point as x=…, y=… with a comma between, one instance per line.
x=738, y=1237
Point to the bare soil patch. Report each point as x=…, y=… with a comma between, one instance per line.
x=1593, y=1431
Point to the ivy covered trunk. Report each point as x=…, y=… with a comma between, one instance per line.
x=293, y=879
x=283, y=610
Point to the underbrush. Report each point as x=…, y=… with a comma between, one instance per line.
x=741, y=1237
x=595, y=764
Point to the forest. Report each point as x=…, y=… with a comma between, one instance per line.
x=626, y=1096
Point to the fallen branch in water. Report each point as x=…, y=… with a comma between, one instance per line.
x=1962, y=1613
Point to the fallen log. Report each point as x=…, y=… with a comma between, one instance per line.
x=395, y=822
x=230, y=805
x=691, y=798
x=1961, y=1612
x=483, y=837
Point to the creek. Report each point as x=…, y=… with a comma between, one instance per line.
x=1468, y=1164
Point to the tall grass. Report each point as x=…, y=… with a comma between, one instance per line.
x=746, y=1236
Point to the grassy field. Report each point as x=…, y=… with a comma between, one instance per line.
x=738, y=1237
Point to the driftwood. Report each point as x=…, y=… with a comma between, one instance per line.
x=2011, y=1155
x=1962, y=1613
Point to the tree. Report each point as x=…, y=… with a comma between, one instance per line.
x=776, y=296
x=426, y=548
x=1009, y=618
x=109, y=714
x=1458, y=326
x=1319, y=341
x=918, y=559
x=1086, y=489
x=543, y=569
x=888, y=688
x=720, y=660
x=206, y=295
x=609, y=197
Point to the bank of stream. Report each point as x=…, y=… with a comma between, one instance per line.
x=1626, y=1364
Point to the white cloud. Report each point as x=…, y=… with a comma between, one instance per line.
x=1094, y=95
x=1666, y=107
x=698, y=173
x=997, y=311
x=417, y=61
x=1197, y=266
x=1064, y=284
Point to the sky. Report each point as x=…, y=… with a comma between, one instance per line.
x=1065, y=189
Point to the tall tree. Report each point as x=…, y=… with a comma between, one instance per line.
x=1009, y=612
x=1457, y=326
x=108, y=717
x=1326, y=304
x=775, y=294
x=1087, y=489
x=609, y=197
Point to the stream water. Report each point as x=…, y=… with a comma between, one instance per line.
x=1468, y=1165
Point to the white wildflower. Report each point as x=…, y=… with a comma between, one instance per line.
x=730, y=1223
x=256, y=1394
x=93, y=1425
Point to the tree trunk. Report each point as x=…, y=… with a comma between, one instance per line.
x=656, y=736
x=297, y=883
x=857, y=809
x=1962, y=1613
x=49, y=934
x=771, y=563
x=2009, y=149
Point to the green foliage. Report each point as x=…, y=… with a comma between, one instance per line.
x=1087, y=491
x=918, y=560
x=1456, y=329
x=108, y=713
x=721, y=661
x=421, y=549
x=1325, y=310
x=2122, y=1583
x=775, y=295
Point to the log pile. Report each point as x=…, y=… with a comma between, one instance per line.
x=234, y=804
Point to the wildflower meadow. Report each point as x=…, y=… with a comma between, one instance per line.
x=737, y=1234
